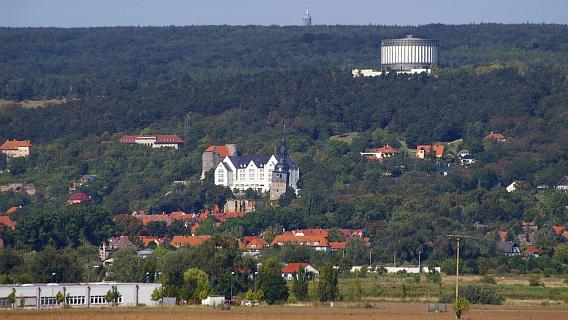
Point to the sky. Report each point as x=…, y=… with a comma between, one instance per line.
x=90, y=13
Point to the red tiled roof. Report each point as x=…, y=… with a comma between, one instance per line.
x=438, y=149
x=532, y=250
x=15, y=144
x=128, y=139
x=387, y=149
x=311, y=241
x=146, y=240
x=495, y=137
x=79, y=196
x=6, y=221
x=558, y=229
x=147, y=218
x=188, y=240
x=338, y=245
x=194, y=228
x=503, y=235
x=565, y=234
x=256, y=243
x=308, y=232
x=169, y=138
x=222, y=150
x=12, y=210
x=293, y=267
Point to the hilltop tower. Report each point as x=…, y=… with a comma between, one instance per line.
x=281, y=174
x=307, y=18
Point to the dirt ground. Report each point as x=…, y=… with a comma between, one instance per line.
x=381, y=311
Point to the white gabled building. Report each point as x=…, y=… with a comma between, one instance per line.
x=254, y=172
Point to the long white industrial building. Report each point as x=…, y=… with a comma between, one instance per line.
x=79, y=294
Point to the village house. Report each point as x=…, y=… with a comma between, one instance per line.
x=532, y=251
x=213, y=155
x=121, y=242
x=7, y=222
x=380, y=153
x=252, y=243
x=495, y=137
x=319, y=243
x=425, y=151
x=79, y=197
x=158, y=141
x=151, y=240
x=16, y=148
x=179, y=241
x=512, y=187
x=290, y=271
x=562, y=185
x=508, y=248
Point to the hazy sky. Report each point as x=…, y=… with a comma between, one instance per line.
x=82, y=13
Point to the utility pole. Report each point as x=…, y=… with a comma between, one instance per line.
x=394, y=259
x=370, y=258
x=458, y=240
x=419, y=264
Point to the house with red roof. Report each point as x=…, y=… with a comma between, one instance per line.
x=121, y=242
x=179, y=241
x=157, y=141
x=291, y=270
x=147, y=240
x=495, y=137
x=6, y=221
x=253, y=244
x=532, y=251
x=16, y=148
x=558, y=229
x=213, y=155
x=79, y=197
x=380, y=153
x=426, y=151
x=340, y=245
x=318, y=243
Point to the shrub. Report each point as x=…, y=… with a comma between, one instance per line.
x=534, y=280
x=488, y=279
x=481, y=295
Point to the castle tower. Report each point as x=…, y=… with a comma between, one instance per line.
x=307, y=18
x=281, y=174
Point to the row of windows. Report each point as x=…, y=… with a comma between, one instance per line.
x=74, y=300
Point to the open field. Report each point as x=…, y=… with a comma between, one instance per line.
x=32, y=103
x=391, y=311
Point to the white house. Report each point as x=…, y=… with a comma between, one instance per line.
x=16, y=148
x=512, y=187
x=158, y=141
x=254, y=172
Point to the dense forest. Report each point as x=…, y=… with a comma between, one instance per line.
x=222, y=84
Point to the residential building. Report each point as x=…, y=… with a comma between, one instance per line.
x=290, y=271
x=319, y=243
x=179, y=241
x=79, y=197
x=380, y=153
x=425, y=151
x=213, y=155
x=121, y=242
x=81, y=295
x=562, y=184
x=213, y=301
x=532, y=251
x=340, y=245
x=255, y=243
x=6, y=221
x=158, y=141
x=495, y=137
x=508, y=248
x=16, y=148
x=512, y=187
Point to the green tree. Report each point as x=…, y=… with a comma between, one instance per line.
x=328, y=289
x=59, y=298
x=11, y=299
x=271, y=283
x=460, y=306
x=112, y=296
x=196, y=284
x=157, y=294
x=300, y=285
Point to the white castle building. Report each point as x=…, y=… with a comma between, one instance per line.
x=274, y=174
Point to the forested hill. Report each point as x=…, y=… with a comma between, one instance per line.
x=50, y=62
x=220, y=84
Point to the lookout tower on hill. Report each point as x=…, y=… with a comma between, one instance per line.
x=307, y=18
